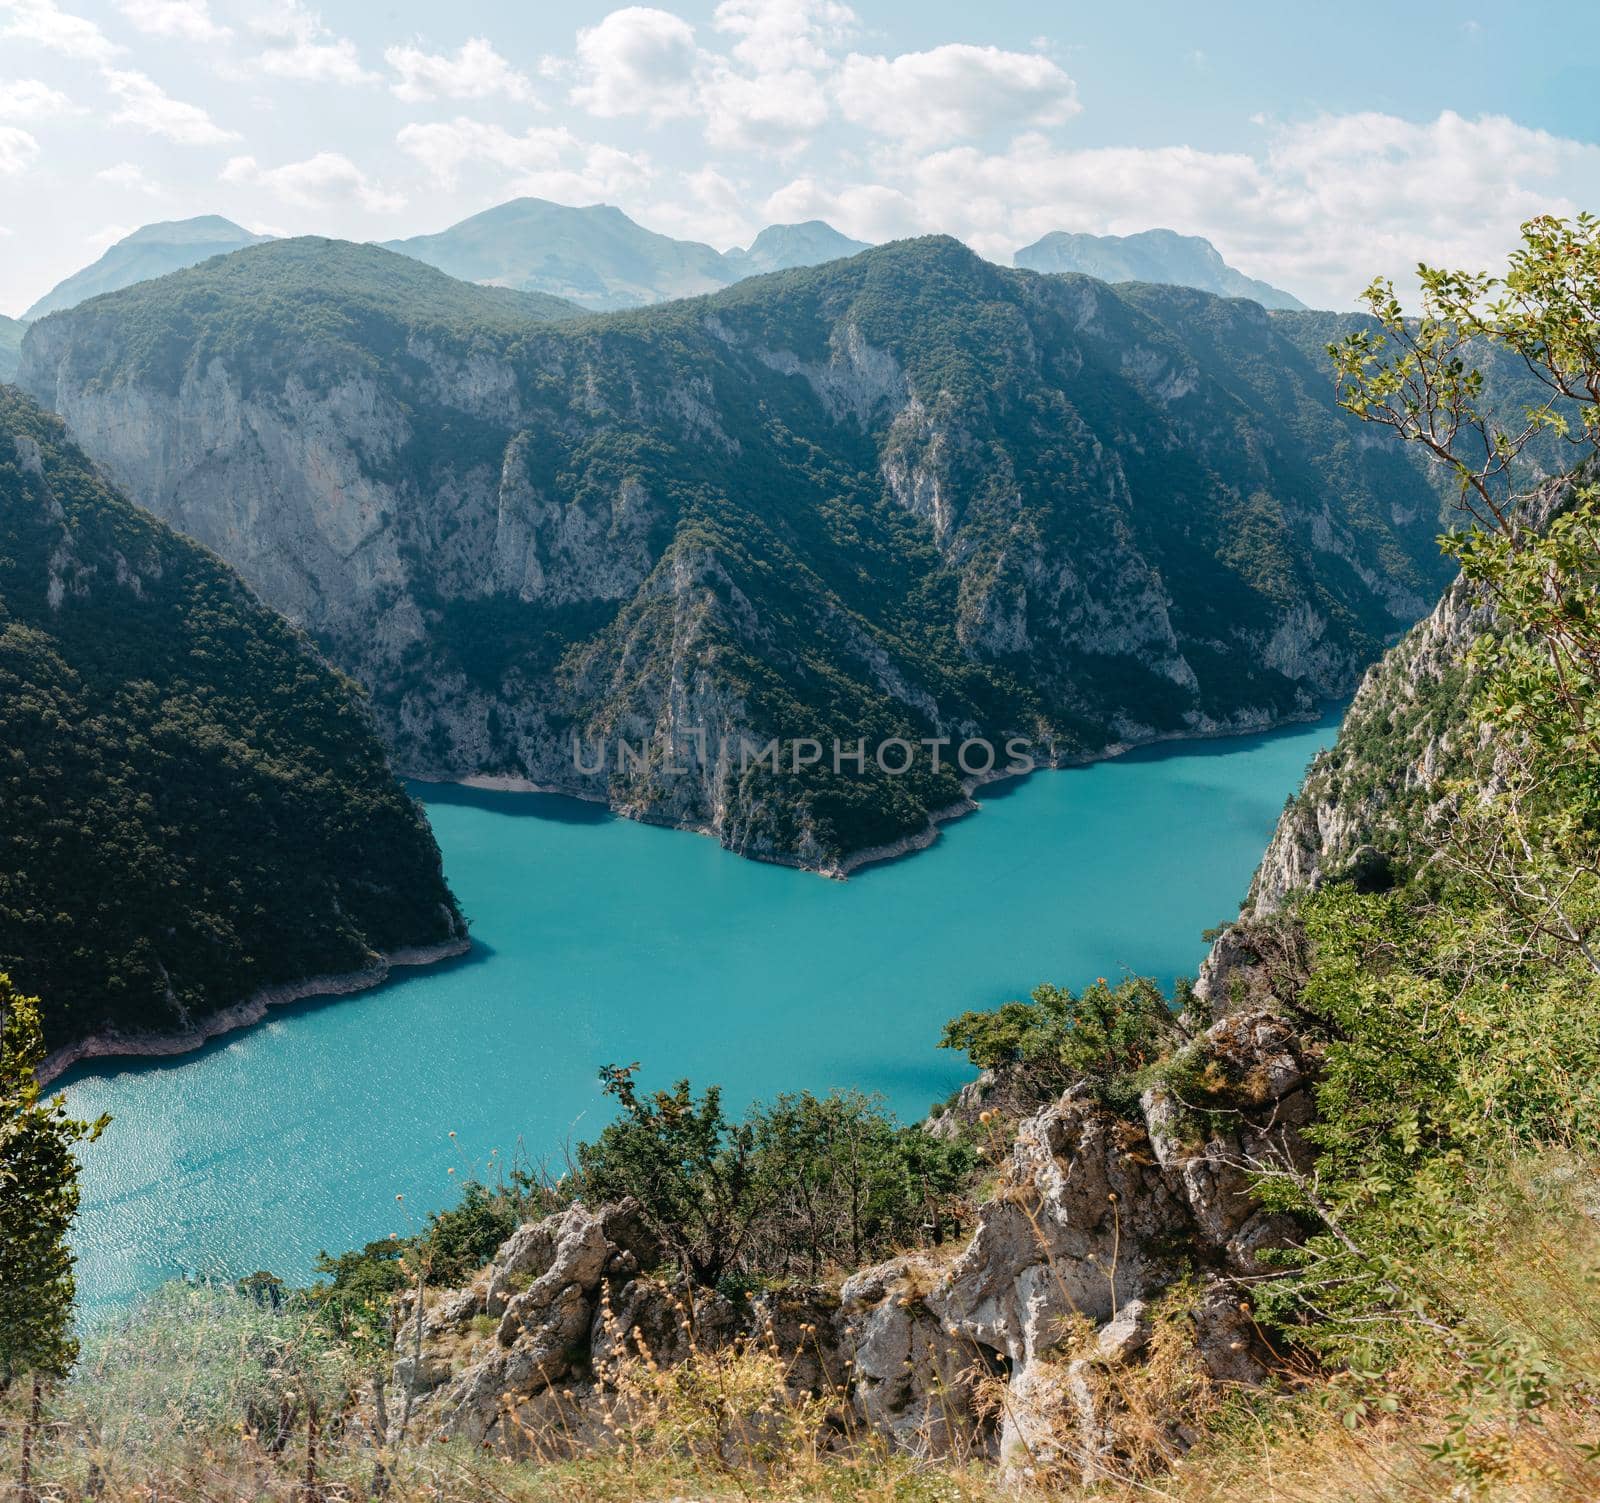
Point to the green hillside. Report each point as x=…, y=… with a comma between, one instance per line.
x=192, y=805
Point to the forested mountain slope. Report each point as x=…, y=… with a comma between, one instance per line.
x=193, y=806
x=909, y=494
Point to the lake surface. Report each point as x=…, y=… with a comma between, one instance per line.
x=602, y=941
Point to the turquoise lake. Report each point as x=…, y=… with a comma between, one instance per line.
x=598, y=941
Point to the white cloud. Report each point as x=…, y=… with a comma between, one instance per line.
x=955, y=91
x=189, y=20
x=705, y=205
x=30, y=99
x=144, y=104
x=545, y=162
x=770, y=111
x=132, y=176
x=326, y=178
x=45, y=24
x=1320, y=209
x=475, y=72
x=637, y=61
x=778, y=35
x=17, y=150
x=300, y=46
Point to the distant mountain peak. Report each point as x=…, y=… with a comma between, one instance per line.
x=782, y=247
x=598, y=257
x=152, y=250
x=1157, y=255
x=203, y=229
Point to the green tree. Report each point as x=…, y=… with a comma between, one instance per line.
x=1104, y=1035
x=38, y=1200
x=688, y=1166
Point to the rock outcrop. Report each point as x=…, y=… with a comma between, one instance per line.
x=1109, y=1242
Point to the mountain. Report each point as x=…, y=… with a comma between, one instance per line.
x=149, y=252
x=596, y=255
x=195, y=815
x=906, y=495
x=783, y=247
x=11, y=332
x=1150, y=256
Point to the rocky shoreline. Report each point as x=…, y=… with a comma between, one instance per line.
x=111, y=1044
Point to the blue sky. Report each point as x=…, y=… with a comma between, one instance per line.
x=1313, y=145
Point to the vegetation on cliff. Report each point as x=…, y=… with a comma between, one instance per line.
x=193, y=806
x=909, y=495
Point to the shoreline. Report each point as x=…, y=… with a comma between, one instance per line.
x=841, y=868
x=111, y=1044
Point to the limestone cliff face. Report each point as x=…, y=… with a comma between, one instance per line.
x=908, y=495
x=1407, y=733
x=1109, y=1243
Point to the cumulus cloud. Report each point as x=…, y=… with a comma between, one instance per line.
x=546, y=162
x=45, y=24
x=188, y=20
x=476, y=71
x=17, y=150
x=637, y=61
x=300, y=46
x=31, y=99
x=1320, y=208
x=778, y=35
x=955, y=91
x=145, y=105
x=328, y=177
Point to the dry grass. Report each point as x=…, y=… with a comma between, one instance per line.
x=214, y=1408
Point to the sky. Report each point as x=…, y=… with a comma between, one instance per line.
x=1316, y=146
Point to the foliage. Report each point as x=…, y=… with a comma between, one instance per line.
x=38, y=1200
x=1462, y=1015
x=460, y=1240
x=1106, y=1036
x=192, y=805
x=802, y=1184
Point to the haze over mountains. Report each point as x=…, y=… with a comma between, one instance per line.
x=1150, y=256
x=601, y=259
x=908, y=494
x=598, y=258
x=152, y=251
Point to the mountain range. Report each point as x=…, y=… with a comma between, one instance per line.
x=1150, y=256
x=909, y=495
x=599, y=258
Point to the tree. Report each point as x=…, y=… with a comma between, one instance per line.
x=1106, y=1035
x=1531, y=844
x=38, y=1200
x=689, y=1167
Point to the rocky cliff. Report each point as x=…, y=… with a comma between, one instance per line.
x=907, y=496
x=1106, y=1288
x=1407, y=736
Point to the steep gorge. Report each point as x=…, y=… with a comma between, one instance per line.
x=910, y=495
